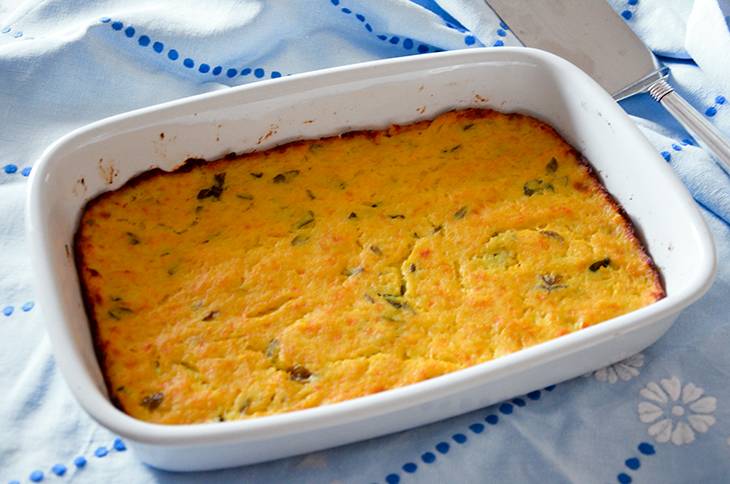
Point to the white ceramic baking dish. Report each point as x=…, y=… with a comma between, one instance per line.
x=106, y=154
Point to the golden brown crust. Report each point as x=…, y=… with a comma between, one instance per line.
x=110, y=355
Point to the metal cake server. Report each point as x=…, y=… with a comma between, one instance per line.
x=592, y=36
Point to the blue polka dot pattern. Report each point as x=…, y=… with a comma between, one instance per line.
x=59, y=469
x=410, y=467
x=428, y=457
x=119, y=445
x=407, y=44
x=478, y=428
x=634, y=463
x=5, y=30
x=632, y=2
x=36, y=476
x=80, y=462
x=627, y=14
x=506, y=408
x=646, y=448
x=26, y=171
x=392, y=478
x=666, y=155
x=10, y=168
x=8, y=310
x=624, y=478
x=713, y=110
x=101, y=452
x=501, y=33
x=459, y=438
x=498, y=43
x=259, y=72
x=173, y=54
x=470, y=40
x=246, y=71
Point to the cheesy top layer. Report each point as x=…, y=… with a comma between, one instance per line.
x=330, y=269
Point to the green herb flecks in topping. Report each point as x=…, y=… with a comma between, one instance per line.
x=461, y=213
x=413, y=267
x=310, y=194
x=215, y=190
x=118, y=312
x=551, y=282
x=132, y=238
x=552, y=235
x=451, y=150
x=352, y=215
x=211, y=316
x=299, y=240
x=272, y=350
x=244, y=196
x=151, y=402
x=376, y=250
x=342, y=185
x=352, y=271
x=244, y=406
x=285, y=177
x=402, y=288
x=399, y=216
x=393, y=300
x=257, y=174
x=120, y=388
x=306, y=221
x=467, y=127
x=552, y=165
x=369, y=298
x=299, y=373
x=374, y=205
x=438, y=229
x=537, y=185
x=315, y=146
x=600, y=263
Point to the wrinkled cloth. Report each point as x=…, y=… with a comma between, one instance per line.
x=660, y=416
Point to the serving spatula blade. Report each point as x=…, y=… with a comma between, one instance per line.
x=592, y=36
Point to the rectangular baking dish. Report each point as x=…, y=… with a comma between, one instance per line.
x=106, y=154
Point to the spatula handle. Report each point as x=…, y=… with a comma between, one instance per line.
x=707, y=135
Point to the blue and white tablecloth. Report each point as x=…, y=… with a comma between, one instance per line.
x=660, y=416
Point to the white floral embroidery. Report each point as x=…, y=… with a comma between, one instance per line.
x=676, y=412
x=623, y=370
